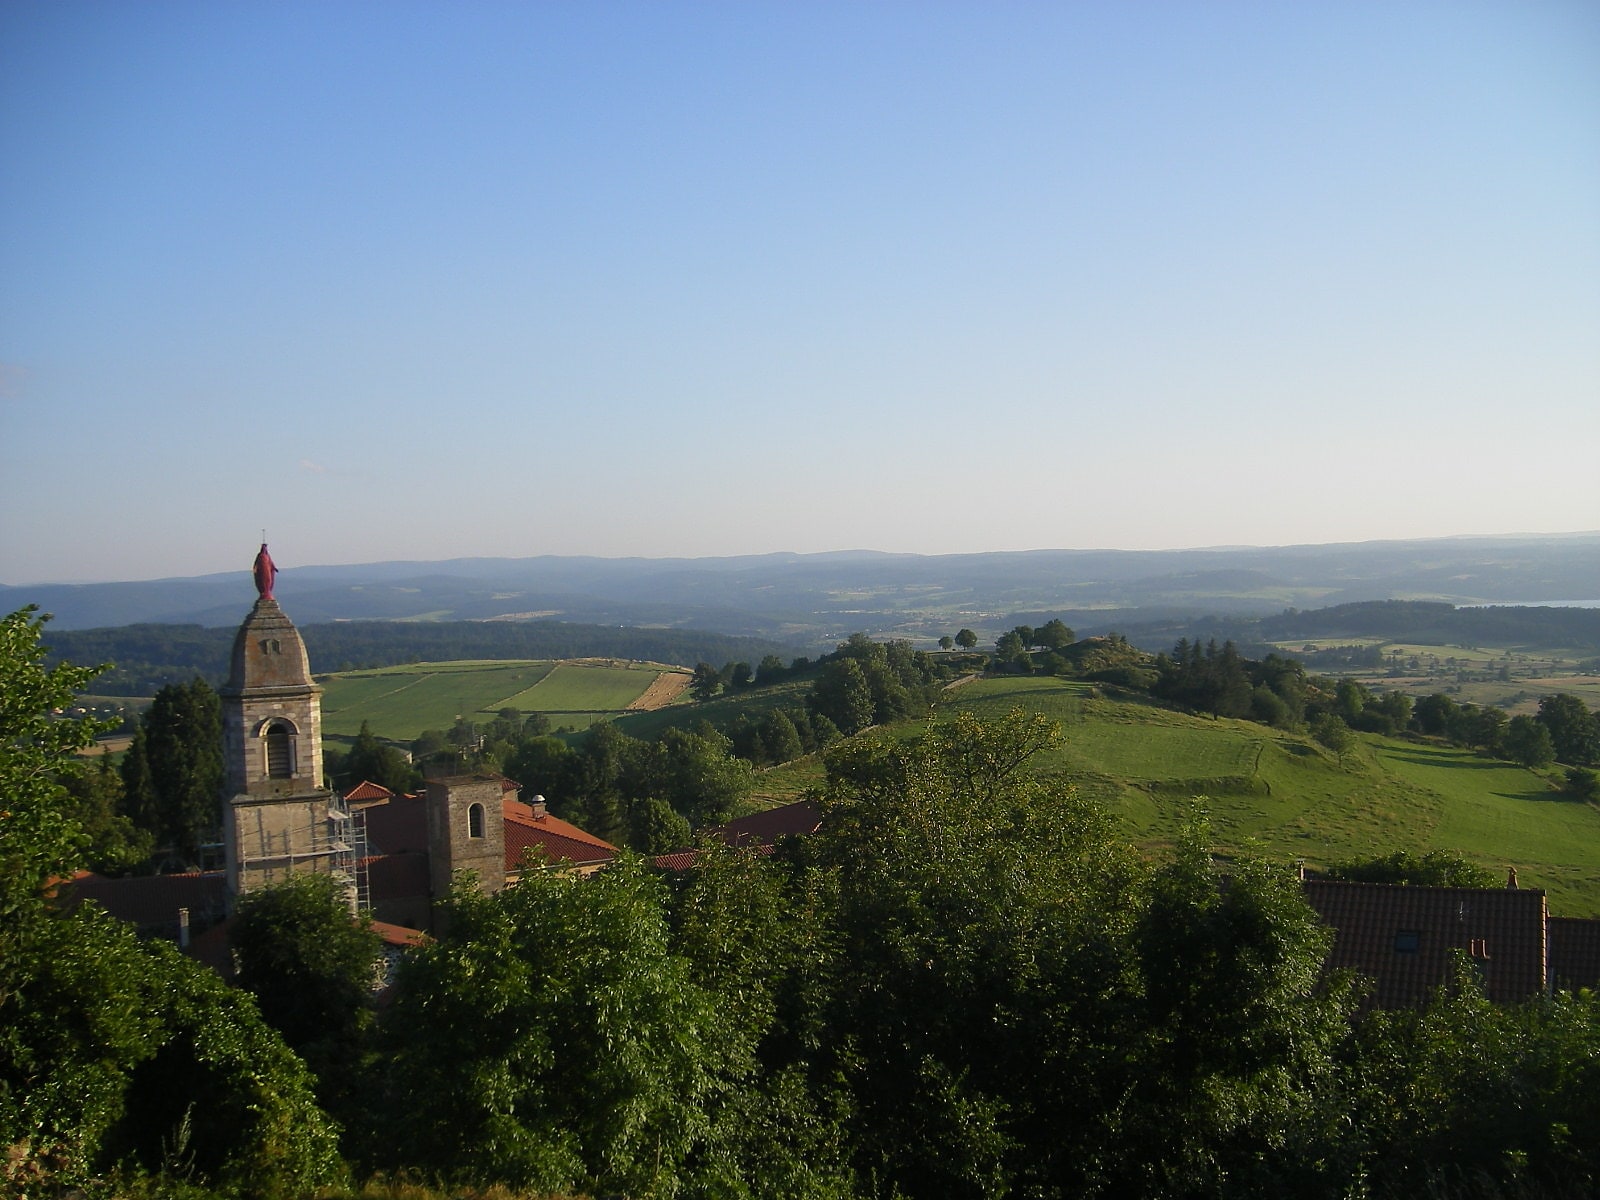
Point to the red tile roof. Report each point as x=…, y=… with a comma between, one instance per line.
x=367, y=792
x=1574, y=953
x=756, y=832
x=1401, y=937
x=399, y=935
x=549, y=839
x=789, y=820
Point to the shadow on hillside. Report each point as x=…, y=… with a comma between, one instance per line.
x=1542, y=796
x=1447, y=761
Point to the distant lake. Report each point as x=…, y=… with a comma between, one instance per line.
x=1536, y=604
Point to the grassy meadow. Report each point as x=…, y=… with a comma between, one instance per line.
x=1281, y=795
x=1262, y=789
x=400, y=702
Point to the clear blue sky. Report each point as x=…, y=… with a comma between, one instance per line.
x=420, y=280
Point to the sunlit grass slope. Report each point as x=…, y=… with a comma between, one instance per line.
x=1282, y=795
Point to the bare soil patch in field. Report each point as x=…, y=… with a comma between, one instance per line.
x=663, y=690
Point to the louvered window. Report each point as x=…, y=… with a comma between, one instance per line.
x=280, y=753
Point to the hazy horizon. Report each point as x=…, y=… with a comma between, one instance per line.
x=242, y=568
x=426, y=281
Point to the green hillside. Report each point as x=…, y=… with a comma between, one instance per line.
x=1274, y=791
x=1288, y=798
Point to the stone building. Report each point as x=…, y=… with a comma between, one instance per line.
x=279, y=816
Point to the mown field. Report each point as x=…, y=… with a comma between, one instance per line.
x=401, y=702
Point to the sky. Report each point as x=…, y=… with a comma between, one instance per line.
x=417, y=281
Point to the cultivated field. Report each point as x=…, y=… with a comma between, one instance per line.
x=401, y=702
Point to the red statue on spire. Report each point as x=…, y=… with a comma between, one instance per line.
x=265, y=572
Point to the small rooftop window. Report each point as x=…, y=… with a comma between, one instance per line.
x=1407, y=941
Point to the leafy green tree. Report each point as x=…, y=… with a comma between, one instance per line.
x=1574, y=730
x=311, y=966
x=706, y=681
x=779, y=737
x=947, y=642
x=108, y=1044
x=116, y=846
x=770, y=670
x=950, y=986
x=842, y=695
x=966, y=639
x=655, y=827
x=552, y=1041
x=1582, y=784
x=138, y=802
x=696, y=773
x=1238, y=1031
x=1433, y=714
x=1009, y=646
x=1527, y=741
x=1054, y=634
x=1466, y=1097
x=1333, y=733
x=752, y=930
x=382, y=764
x=183, y=743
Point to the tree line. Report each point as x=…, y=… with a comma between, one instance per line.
x=148, y=657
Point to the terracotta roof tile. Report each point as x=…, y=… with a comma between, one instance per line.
x=1401, y=937
x=399, y=935
x=367, y=792
x=1574, y=953
x=684, y=860
x=549, y=838
x=789, y=820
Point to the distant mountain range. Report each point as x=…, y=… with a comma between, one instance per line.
x=815, y=599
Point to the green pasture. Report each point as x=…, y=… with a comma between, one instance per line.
x=400, y=702
x=580, y=687
x=1282, y=795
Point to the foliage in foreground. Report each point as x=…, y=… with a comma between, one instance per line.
x=112, y=1050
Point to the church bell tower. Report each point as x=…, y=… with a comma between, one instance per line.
x=280, y=819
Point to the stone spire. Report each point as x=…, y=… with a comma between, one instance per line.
x=280, y=819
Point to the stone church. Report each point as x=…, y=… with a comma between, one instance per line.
x=394, y=856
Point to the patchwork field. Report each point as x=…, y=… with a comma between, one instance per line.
x=400, y=702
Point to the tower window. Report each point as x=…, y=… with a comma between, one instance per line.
x=475, y=821
x=280, y=752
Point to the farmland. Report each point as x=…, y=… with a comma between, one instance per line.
x=1152, y=768
x=401, y=702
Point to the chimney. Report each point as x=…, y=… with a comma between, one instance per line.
x=1511, y=879
x=183, y=929
x=537, y=805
